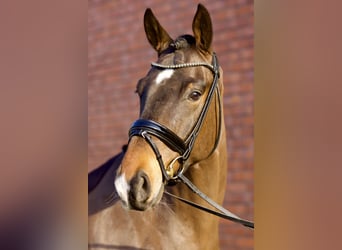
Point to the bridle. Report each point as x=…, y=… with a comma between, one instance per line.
x=147, y=128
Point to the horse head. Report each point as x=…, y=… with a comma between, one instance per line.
x=172, y=99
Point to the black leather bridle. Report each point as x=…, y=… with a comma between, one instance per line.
x=147, y=128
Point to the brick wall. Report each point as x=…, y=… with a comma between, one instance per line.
x=119, y=55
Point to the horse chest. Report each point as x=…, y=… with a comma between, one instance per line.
x=158, y=228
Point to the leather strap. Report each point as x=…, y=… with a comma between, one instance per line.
x=164, y=134
x=224, y=213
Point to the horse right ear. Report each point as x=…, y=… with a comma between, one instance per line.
x=202, y=28
x=155, y=33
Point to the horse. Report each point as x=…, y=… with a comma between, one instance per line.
x=178, y=133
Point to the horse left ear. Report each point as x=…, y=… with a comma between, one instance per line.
x=155, y=33
x=202, y=28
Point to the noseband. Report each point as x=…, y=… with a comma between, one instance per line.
x=146, y=128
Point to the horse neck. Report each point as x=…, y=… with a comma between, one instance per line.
x=208, y=174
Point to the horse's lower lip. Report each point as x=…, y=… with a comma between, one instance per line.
x=139, y=206
x=142, y=206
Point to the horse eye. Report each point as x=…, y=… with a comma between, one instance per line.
x=195, y=95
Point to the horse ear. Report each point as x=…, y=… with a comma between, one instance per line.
x=155, y=33
x=202, y=28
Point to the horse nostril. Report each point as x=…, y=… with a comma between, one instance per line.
x=140, y=191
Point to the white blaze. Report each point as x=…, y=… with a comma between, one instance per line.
x=165, y=74
x=122, y=188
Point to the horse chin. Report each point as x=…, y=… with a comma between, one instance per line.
x=148, y=204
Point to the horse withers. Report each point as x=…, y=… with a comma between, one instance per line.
x=178, y=132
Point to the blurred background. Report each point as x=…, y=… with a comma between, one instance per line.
x=119, y=55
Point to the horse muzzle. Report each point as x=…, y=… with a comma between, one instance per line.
x=137, y=193
x=140, y=191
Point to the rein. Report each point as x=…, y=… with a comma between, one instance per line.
x=223, y=213
x=145, y=128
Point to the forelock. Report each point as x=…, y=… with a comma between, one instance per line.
x=183, y=42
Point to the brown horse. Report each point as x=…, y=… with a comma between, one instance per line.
x=172, y=100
